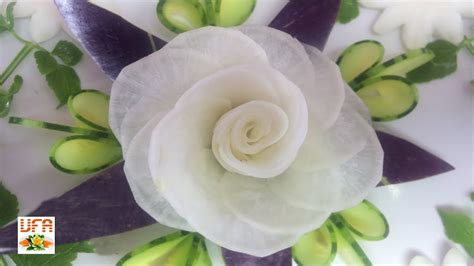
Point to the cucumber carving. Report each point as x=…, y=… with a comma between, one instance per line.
x=184, y=15
x=90, y=109
x=382, y=86
x=338, y=235
x=180, y=248
x=388, y=97
x=92, y=147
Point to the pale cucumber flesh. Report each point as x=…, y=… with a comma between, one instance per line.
x=317, y=247
x=181, y=15
x=401, y=65
x=366, y=221
x=90, y=109
x=388, y=98
x=233, y=12
x=83, y=154
x=359, y=57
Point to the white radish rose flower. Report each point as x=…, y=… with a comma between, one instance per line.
x=244, y=135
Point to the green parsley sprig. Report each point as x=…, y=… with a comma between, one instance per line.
x=61, y=78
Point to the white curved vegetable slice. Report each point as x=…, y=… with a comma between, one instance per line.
x=137, y=117
x=145, y=191
x=328, y=149
x=253, y=202
x=420, y=261
x=228, y=47
x=454, y=257
x=45, y=22
x=335, y=188
x=318, y=78
x=163, y=76
x=239, y=85
x=190, y=180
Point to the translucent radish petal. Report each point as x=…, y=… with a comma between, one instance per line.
x=450, y=27
x=417, y=32
x=347, y=137
x=228, y=47
x=389, y=20
x=455, y=257
x=23, y=8
x=45, y=23
x=316, y=76
x=145, y=191
x=377, y=4
x=253, y=202
x=420, y=261
x=163, y=76
x=336, y=188
x=137, y=117
x=190, y=175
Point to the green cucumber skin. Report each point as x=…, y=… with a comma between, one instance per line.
x=168, y=24
x=402, y=79
x=366, y=237
x=330, y=259
x=57, y=127
x=155, y=242
x=56, y=165
x=355, y=46
x=346, y=234
x=374, y=71
x=80, y=117
x=193, y=256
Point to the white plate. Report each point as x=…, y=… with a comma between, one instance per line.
x=442, y=124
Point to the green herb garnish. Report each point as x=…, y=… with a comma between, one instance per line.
x=8, y=206
x=65, y=254
x=459, y=228
x=2, y=261
x=348, y=11
x=68, y=52
x=62, y=79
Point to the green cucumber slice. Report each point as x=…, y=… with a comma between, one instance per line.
x=210, y=11
x=359, y=57
x=202, y=258
x=181, y=15
x=150, y=252
x=90, y=109
x=231, y=13
x=347, y=246
x=398, y=66
x=317, y=247
x=366, y=221
x=51, y=126
x=84, y=154
x=388, y=97
x=180, y=248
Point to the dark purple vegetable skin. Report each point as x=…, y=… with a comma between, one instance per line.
x=405, y=162
x=101, y=206
x=112, y=42
x=309, y=21
x=281, y=258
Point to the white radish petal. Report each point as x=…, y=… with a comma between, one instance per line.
x=164, y=76
x=137, y=117
x=178, y=160
x=450, y=27
x=326, y=97
x=336, y=188
x=226, y=46
x=455, y=257
x=376, y=4
x=389, y=20
x=145, y=191
x=416, y=33
x=347, y=137
x=253, y=202
x=420, y=261
x=45, y=23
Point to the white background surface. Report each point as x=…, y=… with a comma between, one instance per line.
x=442, y=124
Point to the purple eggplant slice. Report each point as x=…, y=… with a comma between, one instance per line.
x=405, y=162
x=309, y=21
x=281, y=258
x=101, y=206
x=112, y=42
